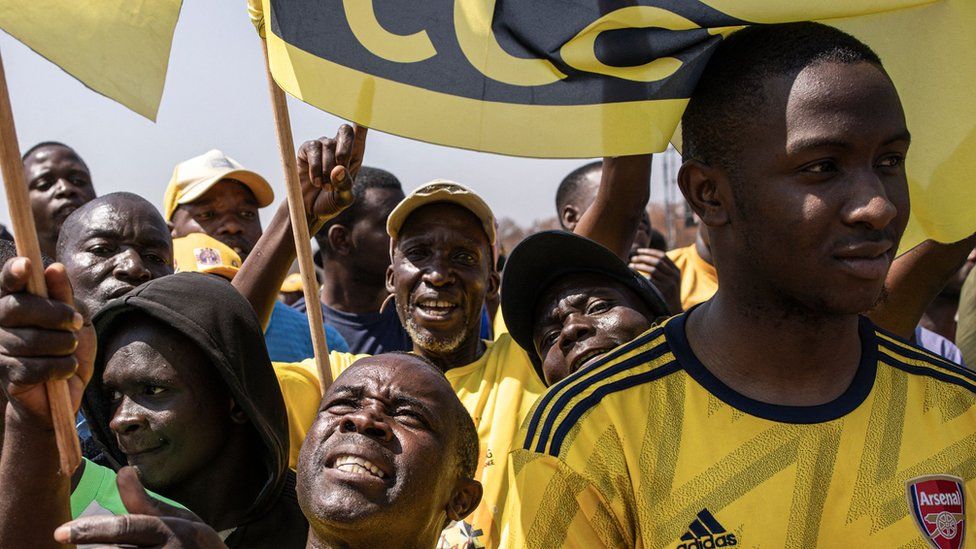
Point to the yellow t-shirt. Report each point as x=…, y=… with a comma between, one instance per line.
x=698, y=279
x=498, y=390
x=302, y=393
x=648, y=449
x=498, y=327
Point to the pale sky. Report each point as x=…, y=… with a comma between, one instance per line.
x=216, y=96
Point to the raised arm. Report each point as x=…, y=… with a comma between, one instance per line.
x=616, y=212
x=40, y=339
x=915, y=278
x=326, y=169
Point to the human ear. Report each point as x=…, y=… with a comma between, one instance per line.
x=390, y=278
x=494, y=284
x=569, y=217
x=703, y=187
x=338, y=237
x=464, y=499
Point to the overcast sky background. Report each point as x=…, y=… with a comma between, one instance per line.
x=216, y=97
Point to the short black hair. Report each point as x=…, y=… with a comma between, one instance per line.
x=468, y=444
x=569, y=187
x=45, y=144
x=730, y=94
x=367, y=178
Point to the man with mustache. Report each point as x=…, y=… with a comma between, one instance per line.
x=772, y=414
x=215, y=195
x=58, y=183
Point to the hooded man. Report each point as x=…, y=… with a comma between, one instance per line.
x=169, y=397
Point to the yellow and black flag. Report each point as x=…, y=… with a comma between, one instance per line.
x=118, y=48
x=586, y=78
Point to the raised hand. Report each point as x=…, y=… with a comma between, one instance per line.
x=665, y=275
x=41, y=339
x=326, y=169
x=151, y=523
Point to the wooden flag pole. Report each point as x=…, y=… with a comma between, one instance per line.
x=25, y=236
x=299, y=225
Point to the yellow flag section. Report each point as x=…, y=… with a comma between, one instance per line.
x=537, y=79
x=929, y=53
x=118, y=48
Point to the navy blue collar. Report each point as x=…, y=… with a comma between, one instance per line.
x=847, y=402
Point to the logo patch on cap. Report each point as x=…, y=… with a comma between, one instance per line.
x=207, y=257
x=938, y=504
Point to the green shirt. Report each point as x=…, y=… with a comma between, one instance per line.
x=98, y=494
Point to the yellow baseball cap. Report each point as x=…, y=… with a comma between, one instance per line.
x=442, y=190
x=292, y=283
x=194, y=177
x=201, y=253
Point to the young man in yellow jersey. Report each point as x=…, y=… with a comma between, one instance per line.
x=773, y=414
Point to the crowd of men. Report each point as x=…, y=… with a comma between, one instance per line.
x=783, y=381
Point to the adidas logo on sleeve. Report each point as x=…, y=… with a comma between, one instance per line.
x=705, y=532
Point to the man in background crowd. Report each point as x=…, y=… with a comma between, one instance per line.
x=354, y=251
x=214, y=194
x=58, y=183
x=576, y=195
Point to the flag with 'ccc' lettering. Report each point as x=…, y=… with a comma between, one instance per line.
x=586, y=78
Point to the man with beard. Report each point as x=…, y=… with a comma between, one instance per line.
x=179, y=390
x=215, y=195
x=442, y=270
x=58, y=183
x=772, y=414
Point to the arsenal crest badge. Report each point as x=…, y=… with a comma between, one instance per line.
x=939, y=506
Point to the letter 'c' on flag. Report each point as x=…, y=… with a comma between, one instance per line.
x=610, y=78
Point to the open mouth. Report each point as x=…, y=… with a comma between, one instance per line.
x=358, y=466
x=588, y=357
x=436, y=308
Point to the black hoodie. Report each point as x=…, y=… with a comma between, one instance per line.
x=211, y=313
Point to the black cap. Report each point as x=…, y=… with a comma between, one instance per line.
x=543, y=258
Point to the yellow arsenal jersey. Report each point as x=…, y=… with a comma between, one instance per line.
x=646, y=448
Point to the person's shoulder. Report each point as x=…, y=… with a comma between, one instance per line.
x=615, y=380
x=912, y=360
x=512, y=361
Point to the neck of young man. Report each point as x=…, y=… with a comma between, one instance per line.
x=346, y=289
x=223, y=492
x=469, y=350
x=773, y=351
